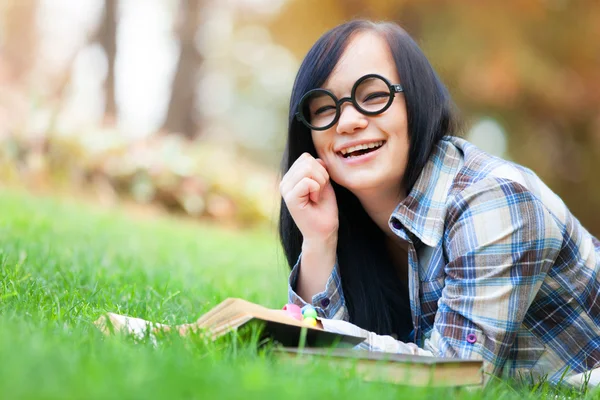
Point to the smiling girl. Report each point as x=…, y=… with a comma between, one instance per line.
x=398, y=231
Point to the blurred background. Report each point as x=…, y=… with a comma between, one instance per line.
x=181, y=105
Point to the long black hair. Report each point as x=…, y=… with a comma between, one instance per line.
x=375, y=297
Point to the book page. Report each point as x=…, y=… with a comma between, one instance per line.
x=136, y=326
x=231, y=313
x=244, y=307
x=214, y=311
x=238, y=309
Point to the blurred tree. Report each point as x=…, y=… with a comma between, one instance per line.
x=354, y=9
x=107, y=36
x=18, y=39
x=182, y=113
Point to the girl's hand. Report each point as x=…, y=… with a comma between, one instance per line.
x=310, y=198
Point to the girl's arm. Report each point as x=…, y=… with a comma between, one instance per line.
x=317, y=260
x=329, y=303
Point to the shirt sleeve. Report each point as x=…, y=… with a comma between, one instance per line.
x=330, y=302
x=500, y=241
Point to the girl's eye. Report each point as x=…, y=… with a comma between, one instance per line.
x=377, y=95
x=324, y=109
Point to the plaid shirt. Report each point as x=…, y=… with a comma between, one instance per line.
x=499, y=270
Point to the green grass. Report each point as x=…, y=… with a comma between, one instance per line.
x=63, y=264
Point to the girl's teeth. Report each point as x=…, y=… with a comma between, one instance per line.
x=366, y=146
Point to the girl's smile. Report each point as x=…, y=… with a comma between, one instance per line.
x=360, y=152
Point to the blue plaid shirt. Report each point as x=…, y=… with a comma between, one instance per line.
x=499, y=270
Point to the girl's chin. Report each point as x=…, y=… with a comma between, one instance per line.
x=359, y=184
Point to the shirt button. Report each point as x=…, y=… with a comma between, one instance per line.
x=471, y=338
x=325, y=302
x=396, y=224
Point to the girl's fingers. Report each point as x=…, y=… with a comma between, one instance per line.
x=303, y=193
x=305, y=166
x=309, y=167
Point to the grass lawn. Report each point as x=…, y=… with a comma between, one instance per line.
x=63, y=264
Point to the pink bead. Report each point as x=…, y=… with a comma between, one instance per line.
x=293, y=311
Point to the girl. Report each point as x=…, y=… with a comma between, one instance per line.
x=398, y=231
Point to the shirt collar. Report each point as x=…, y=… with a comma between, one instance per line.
x=423, y=211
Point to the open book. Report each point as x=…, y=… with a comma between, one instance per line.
x=400, y=369
x=333, y=347
x=232, y=314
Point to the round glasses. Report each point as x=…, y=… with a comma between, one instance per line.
x=372, y=94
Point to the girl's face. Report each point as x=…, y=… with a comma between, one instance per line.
x=380, y=168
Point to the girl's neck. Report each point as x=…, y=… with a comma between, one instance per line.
x=379, y=205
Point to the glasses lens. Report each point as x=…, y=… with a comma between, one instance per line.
x=319, y=109
x=372, y=95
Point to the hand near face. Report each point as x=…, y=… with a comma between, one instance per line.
x=310, y=198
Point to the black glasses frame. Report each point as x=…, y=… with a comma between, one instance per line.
x=394, y=88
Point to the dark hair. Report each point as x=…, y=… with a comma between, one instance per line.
x=374, y=294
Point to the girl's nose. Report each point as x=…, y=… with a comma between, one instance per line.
x=350, y=120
